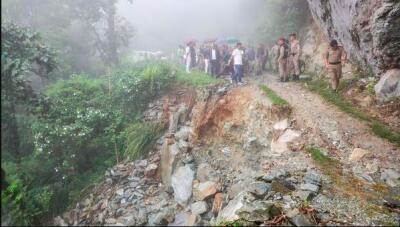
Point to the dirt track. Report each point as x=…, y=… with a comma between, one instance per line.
x=336, y=129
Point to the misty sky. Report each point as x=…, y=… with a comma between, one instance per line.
x=163, y=24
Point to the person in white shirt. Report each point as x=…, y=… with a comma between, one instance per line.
x=188, y=58
x=237, y=57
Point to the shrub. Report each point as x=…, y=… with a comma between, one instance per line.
x=140, y=137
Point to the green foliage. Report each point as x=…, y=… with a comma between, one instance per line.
x=22, y=53
x=24, y=205
x=140, y=137
x=275, y=98
x=80, y=127
x=73, y=125
x=384, y=132
x=196, y=78
x=320, y=157
x=322, y=88
x=134, y=85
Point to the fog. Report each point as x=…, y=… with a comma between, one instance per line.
x=164, y=24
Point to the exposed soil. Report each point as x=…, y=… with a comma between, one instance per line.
x=234, y=142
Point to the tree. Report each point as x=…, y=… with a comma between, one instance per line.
x=21, y=53
x=85, y=32
x=110, y=38
x=283, y=17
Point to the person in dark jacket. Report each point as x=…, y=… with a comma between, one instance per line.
x=215, y=60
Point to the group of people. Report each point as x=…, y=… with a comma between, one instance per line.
x=224, y=59
x=283, y=57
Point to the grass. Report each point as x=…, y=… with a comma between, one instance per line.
x=333, y=169
x=140, y=138
x=322, y=88
x=320, y=158
x=196, y=79
x=275, y=98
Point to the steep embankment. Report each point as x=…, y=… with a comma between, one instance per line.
x=232, y=155
x=369, y=31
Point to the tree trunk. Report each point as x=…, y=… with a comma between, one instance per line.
x=111, y=35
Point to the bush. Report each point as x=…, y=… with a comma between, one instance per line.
x=80, y=127
x=140, y=137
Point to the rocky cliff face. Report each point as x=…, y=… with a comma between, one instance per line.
x=368, y=29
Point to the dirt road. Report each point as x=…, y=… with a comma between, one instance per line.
x=336, y=129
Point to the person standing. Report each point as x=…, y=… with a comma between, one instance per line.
x=190, y=56
x=264, y=58
x=237, y=57
x=282, y=59
x=215, y=60
x=334, y=57
x=274, y=55
x=251, y=56
x=180, y=54
x=207, y=57
x=295, y=52
x=260, y=58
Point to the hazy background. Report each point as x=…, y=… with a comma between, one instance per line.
x=164, y=24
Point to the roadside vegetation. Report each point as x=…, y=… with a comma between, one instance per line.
x=322, y=88
x=275, y=98
x=196, y=79
x=58, y=141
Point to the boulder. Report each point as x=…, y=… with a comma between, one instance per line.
x=256, y=211
x=280, y=145
x=309, y=187
x=182, y=181
x=244, y=206
x=312, y=177
x=173, y=122
x=168, y=161
x=199, y=207
x=259, y=189
x=151, y=170
x=228, y=213
x=217, y=203
x=358, y=154
x=58, y=221
x=301, y=220
x=388, y=86
x=184, y=219
x=274, y=174
x=204, y=170
x=304, y=195
x=183, y=133
x=281, y=125
x=183, y=145
x=163, y=217
x=391, y=177
x=204, y=190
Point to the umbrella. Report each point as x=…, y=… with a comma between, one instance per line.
x=210, y=40
x=231, y=40
x=190, y=41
